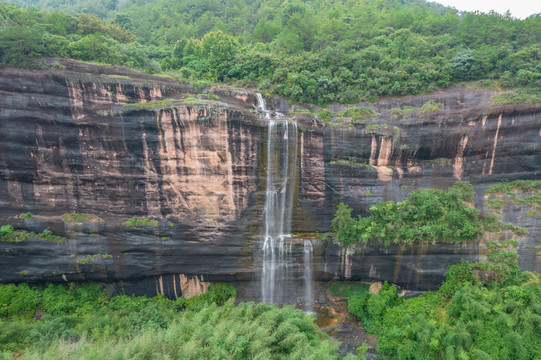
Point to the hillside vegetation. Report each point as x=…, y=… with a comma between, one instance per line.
x=484, y=310
x=83, y=322
x=314, y=51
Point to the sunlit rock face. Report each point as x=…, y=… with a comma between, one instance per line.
x=69, y=143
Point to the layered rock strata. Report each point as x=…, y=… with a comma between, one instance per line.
x=120, y=144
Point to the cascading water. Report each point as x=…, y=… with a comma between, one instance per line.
x=282, y=148
x=308, y=299
x=262, y=105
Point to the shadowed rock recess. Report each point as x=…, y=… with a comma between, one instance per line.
x=119, y=144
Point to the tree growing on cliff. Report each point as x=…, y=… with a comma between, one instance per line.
x=427, y=215
x=344, y=225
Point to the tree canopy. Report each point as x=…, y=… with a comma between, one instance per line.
x=314, y=51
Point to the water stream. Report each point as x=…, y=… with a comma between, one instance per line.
x=278, y=261
x=308, y=292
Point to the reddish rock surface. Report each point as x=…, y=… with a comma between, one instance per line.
x=68, y=143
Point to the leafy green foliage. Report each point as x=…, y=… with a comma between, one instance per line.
x=376, y=126
x=73, y=7
x=517, y=185
x=150, y=104
x=425, y=216
x=463, y=63
x=430, y=106
x=358, y=113
x=91, y=258
x=100, y=327
x=526, y=96
x=27, y=216
x=47, y=235
x=134, y=222
x=519, y=192
x=472, y=316
x=516, y=229
x=9, y=234
x=82, y=218
x=496, y=204
x=319, y=52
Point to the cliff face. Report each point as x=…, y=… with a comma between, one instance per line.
x=387, y=157
x=69, y=143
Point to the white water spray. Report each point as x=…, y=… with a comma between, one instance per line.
x=282, y=148
x=281, y=172
x=308, y=299
x=262, y=105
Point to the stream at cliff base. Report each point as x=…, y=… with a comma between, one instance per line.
x=333, y=319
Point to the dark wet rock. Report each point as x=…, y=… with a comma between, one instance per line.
x=68, y=143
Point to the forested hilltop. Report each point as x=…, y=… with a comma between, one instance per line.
x=316, y=51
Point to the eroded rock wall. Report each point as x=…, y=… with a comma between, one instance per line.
x=68, y=144
x=388, y=156
x=82, y=140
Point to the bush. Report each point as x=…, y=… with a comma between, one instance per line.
x=466, y=318
x=81, y=218
x=99, y=327
x=133, y=222
x=425, y=216
x=430, y=106
x=456, y=277
x=9, y=234
x=26, y=216
x=6, y=230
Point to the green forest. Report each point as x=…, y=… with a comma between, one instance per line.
x=314, y=52
x=484, y=310
x=85, y=322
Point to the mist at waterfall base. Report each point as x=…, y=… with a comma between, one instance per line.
x=280, y=265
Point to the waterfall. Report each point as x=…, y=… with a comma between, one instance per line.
x=308, y=298
x=282, y=147
x=262, y=105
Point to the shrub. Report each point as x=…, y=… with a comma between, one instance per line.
x=26, y=216
x=516, y=229
x=430, y=106
x=496, y=204
x=133, y=222
x=9, y=234
x=48, y=236
x=6, y=230
x=517, y=185
x=325, y=115
x=358, y=113
x=82, y=218
x=456, y=277
x=466, y=318
x=521, y=96
x=376, y=126
x=425, y=216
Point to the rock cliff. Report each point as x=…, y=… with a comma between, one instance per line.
x=119, y=144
